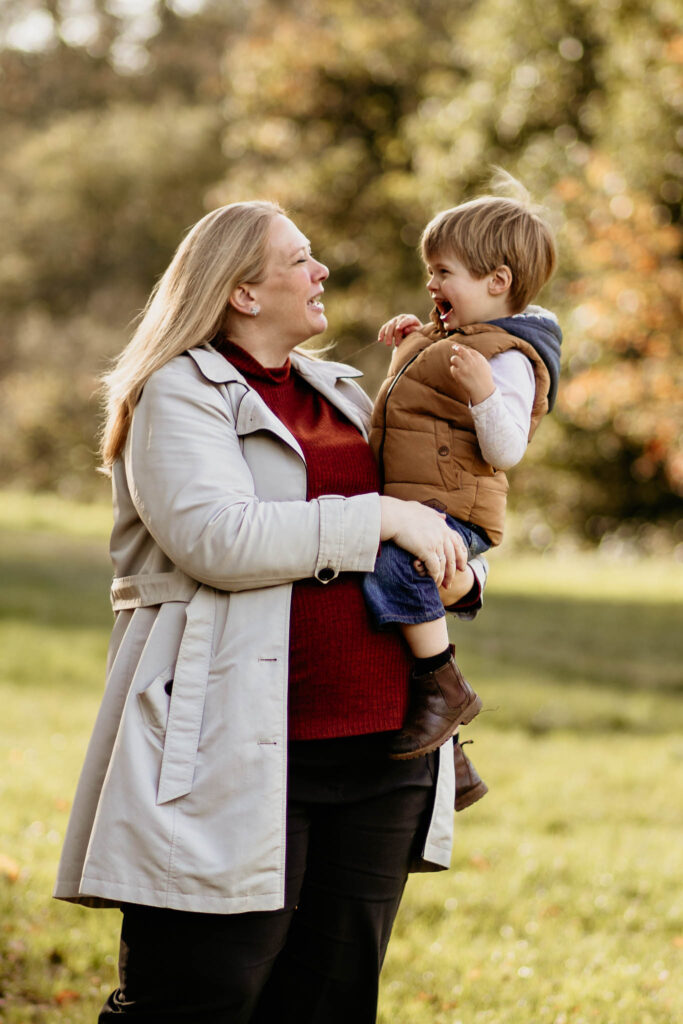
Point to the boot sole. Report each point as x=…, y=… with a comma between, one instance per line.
x=470, y=796
x=470, y=711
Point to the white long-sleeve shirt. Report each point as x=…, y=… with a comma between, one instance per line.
x=502, y=421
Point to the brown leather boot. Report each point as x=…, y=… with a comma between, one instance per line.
x=469, y=787
x=440, y=702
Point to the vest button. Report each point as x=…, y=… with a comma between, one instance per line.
x=444, y=449
x=326, y=574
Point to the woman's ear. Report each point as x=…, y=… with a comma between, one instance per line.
x=500, y=280
x=243, y=299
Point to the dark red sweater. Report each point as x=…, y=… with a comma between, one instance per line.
x=345, y=677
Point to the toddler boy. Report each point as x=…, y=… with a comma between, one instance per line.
x=464, y=395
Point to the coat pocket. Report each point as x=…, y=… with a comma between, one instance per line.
x=154, y=702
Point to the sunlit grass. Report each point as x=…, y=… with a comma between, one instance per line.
x=564, y=903
x=57, y=962
x=20, y=511
x=585, y=574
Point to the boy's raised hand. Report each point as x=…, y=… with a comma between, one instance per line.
x=394, y=331
x=472, y=371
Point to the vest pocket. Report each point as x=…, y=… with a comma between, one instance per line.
x=449, y=470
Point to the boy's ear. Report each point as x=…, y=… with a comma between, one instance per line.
x=242, y=298
x=500, y=280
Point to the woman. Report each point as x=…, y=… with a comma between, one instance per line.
x=236, y=801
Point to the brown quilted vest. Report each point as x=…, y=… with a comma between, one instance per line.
x=422, y=430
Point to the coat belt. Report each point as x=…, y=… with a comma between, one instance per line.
x=191, y=676
x=189, y=693
x=146, y=589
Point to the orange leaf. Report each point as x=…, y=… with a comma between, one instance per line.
x=66, y=995
x=9, y=868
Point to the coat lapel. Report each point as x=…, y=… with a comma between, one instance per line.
x=253, y=414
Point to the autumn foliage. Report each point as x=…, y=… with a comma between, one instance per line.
x=363, y=120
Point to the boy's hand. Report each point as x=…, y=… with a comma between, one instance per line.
x=472, y=371
x=394, y=331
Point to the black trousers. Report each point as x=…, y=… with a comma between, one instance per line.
x=355, y=822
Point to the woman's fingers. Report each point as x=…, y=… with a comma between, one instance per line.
x=435, y=563
x=455, y=557
x=448, y=557
x=460, y=551
x=425, y=534
x=450, y=565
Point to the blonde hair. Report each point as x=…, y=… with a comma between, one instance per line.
x=187, y=307
x=492, y=230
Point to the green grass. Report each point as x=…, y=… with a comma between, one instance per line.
x=565, y=901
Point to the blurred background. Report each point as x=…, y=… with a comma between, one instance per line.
x=124, y=121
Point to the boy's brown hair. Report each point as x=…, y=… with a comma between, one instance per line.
x=491, y=230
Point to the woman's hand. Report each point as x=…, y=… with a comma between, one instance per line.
x=472, y=371
x=424, y=533
x=394, y=331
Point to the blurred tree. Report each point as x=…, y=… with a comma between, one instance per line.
x=322, y=128
x=400, y=110
x=363, y=120
x=91, y=57
x=101, y=172
x=622, y=403
x=92, y=208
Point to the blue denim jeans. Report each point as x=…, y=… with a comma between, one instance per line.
x=395, y=591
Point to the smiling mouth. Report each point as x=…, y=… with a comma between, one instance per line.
x=316, y=305
x=444, y=309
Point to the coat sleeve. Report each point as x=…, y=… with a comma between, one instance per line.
x=193, y=491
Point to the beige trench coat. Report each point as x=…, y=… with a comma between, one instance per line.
x=182, y=797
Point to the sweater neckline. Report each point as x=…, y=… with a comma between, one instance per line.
x=248, y=365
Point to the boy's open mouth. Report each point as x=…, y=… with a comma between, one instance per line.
x=443, y=307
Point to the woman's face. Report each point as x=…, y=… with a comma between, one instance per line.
x=289, y=294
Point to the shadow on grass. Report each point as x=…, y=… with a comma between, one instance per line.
x=615, y=645
x=55, y=581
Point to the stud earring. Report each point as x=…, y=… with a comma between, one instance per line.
x=254, y=311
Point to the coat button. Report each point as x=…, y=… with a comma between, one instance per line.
x=326, y=574
x=444, y=449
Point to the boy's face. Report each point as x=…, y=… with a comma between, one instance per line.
x=460, y=298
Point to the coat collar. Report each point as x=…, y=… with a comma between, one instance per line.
x=319, y=372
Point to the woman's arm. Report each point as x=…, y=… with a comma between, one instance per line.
x=194, y=492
